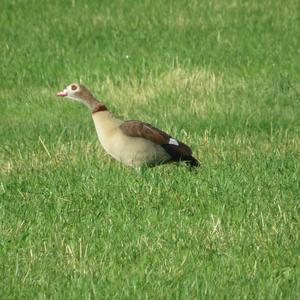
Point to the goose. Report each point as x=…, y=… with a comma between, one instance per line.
x=134, y=143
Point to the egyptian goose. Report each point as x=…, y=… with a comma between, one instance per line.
x=134, y=143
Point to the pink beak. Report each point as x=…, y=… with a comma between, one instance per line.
x=63, y=93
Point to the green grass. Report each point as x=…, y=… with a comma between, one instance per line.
x=224, y=77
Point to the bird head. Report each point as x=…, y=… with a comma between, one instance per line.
x=77, y=92
x=71, y=91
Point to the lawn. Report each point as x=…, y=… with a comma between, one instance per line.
x=222, y=76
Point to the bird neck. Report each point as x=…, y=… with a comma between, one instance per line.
x=99, y=107
x=93, y=104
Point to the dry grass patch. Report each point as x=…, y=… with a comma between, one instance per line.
x=187, y=89
x=46, y=156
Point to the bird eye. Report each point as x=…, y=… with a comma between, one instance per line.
x=73, y=87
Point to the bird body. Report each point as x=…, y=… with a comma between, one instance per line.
x=132, y=151
x=134, y=143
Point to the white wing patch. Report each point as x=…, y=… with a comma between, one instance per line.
x=173, y=142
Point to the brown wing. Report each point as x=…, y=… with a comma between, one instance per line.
x=157, y=136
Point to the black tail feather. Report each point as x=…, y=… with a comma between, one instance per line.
x=181, y=153
x=191, y=161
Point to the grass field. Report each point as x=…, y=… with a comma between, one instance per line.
x=222, y=76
